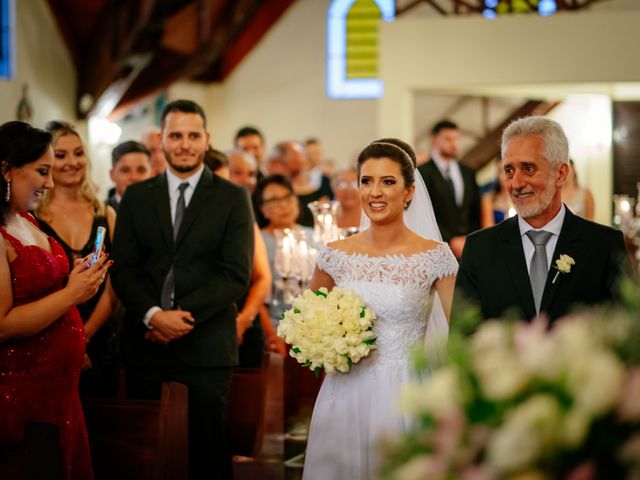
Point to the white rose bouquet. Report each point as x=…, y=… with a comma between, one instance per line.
x=330, y=330
x=521, y=401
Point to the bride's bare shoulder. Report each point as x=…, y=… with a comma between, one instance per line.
x=422, y=244
x=352, y=244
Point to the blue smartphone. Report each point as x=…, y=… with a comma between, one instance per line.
x=97, y=246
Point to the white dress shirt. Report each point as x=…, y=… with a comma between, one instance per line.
x=451, y=169
x=173, y=184
x=554, y=227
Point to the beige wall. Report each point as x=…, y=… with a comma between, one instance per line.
x=465, y=54
x=280, y=88
x=42, y=61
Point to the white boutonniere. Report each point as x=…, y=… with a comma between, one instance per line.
x=563, y=265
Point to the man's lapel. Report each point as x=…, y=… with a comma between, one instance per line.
x=568, y=244
x=203, y=189
x=515, y=264
x=163, y=208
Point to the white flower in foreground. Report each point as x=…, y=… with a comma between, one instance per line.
x=527, y=432
x=595, y=381
x=574, y=428
x=501, y=374
x=436, y=395
x=422, y=467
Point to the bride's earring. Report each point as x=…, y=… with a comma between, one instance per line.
x=7, y=196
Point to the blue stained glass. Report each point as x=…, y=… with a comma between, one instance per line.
x=5, y=39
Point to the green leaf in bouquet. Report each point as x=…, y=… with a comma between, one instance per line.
x=370, y=341
x=362, y=313
x=307, y=363
x=296, y=350
x=320, y=293
x=296, y=310
x=349, y=361
x=316, y=372
x=282, y=316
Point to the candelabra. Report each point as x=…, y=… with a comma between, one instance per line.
x=294, y=262
x=627, y=218
x=296, y=250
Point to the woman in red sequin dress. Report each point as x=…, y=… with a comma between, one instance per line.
x=42, y=340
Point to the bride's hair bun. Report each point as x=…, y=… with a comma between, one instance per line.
x=394, y=149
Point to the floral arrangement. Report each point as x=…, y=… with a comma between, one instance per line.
x=330, y=330
x=520, y=401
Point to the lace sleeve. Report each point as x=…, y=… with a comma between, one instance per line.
x=327, y=262
x=442, y=263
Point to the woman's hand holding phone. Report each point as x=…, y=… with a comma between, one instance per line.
x=86, y=278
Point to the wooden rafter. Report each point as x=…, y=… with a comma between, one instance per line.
x=465, y=7
x=128, y=49
x=489, y=146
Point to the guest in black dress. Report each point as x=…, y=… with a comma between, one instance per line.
x=71, y=213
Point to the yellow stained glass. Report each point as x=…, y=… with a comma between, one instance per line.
x=363, y=20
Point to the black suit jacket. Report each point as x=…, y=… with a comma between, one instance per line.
x=493, y=272
x=212, y=258
x=453, y=220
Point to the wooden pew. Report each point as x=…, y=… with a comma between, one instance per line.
x=140, y=439
x=258, y=448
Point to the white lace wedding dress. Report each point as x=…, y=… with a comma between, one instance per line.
x=354, y=410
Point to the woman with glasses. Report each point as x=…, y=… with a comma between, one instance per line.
x=280, y=207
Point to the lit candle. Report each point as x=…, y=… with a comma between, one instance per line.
x=286, y=255
x=303, y=260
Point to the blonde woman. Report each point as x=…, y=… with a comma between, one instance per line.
x=71, y=213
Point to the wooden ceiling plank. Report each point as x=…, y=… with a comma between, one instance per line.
x=110, y=49
x=250, y=35
x=489, y=147
x=60, y=11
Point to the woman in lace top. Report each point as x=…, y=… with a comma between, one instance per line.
x=397, y=273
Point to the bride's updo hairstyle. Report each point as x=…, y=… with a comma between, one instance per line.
x=20, y=144
x=395, y=150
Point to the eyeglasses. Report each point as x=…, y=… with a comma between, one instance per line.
x=278, y=200
x=343, y=185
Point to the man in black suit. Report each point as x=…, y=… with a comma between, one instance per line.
x=130, y=163
x=513, y=267
x=183, y=251
x=452, y=187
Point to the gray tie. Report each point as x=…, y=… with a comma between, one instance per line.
x=166, y=299
x=539, y=268
x=449, y=180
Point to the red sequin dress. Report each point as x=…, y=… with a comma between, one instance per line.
x=39, y=374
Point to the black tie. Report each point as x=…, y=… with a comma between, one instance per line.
x=166, y=299
x=539, y=268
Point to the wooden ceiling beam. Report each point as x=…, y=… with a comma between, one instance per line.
x=60, y=10
x=249, y=35
x=489, y=147
x=109, y=57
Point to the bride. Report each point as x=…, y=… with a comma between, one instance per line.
x=398, y=273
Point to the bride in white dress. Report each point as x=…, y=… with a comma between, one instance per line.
x=397, y=272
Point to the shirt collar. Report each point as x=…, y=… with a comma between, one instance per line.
x=554, y=225
x=173, y=181
x=443, y=165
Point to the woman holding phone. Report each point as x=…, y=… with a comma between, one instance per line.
x=42, y=341
x=71, y=213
